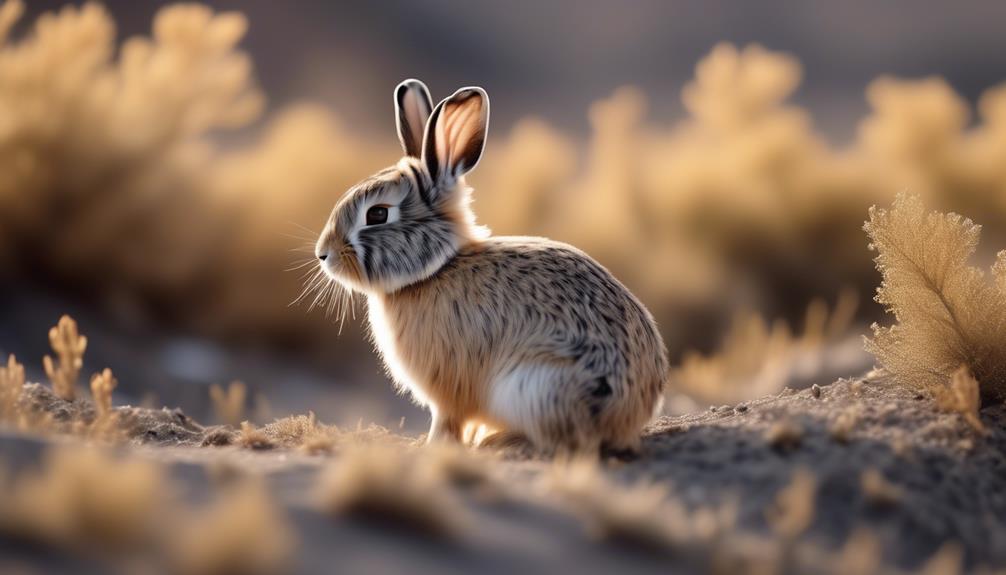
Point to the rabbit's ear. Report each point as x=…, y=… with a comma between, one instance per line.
x=456, y=134
x=412, y=109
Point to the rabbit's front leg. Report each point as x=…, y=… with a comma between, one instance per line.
x=443, y=428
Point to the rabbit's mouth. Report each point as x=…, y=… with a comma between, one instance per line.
x=344, y=267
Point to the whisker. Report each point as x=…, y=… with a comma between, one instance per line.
x=299, y=265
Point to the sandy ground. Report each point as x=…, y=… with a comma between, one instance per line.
x=942, y=482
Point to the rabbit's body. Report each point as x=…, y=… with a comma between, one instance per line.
x=524, y=335
x=527, y=335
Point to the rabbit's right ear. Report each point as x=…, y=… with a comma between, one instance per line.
x=412, y=109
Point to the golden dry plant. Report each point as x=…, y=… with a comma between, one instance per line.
x=757, y=359
x=962, y=397
x=126, y=509
x=241, y=531
x=229, y=404
x=102, y=385
x=396, y=487
x=11, y=384
x=793, y=510
x=947, y=313
x=69, y=347
x=84, y=497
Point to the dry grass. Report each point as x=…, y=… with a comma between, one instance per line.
x=948, y=314
x=757, y=359
x=641, y=515
x=793, y=511
x=396, y=488
x=242, y=531
x=84, y=497
x=69, y=347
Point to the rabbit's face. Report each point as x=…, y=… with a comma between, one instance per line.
x=402, y=224
x=384, y=235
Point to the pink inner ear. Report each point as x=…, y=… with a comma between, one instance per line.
x=460, y=125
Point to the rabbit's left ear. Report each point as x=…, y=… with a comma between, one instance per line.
x=456, y=134
x=412, y=109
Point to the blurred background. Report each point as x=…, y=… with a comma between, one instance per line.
x=162, y=164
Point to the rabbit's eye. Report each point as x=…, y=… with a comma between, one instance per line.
x=377, y=215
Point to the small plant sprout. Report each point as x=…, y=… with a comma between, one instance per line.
x=102, y=385
x=229, y=404
x=962, y=397
x=11, y=384
x=69, y=346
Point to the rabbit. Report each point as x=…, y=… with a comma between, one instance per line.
x=523, y=335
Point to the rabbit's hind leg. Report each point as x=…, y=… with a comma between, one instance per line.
x=552, y=403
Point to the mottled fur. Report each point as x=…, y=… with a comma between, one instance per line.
x=519, y=334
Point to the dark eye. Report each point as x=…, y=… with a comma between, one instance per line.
x=377, y=215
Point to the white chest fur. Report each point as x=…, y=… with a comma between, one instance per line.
x=383, y=332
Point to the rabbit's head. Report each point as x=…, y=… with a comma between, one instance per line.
x=402, y=224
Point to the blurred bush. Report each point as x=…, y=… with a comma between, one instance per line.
x=113, y=185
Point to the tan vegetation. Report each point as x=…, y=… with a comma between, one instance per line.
x=242, y=531
x=794, y=506
x=11, y=384
x=229, y=404
x=102, y=385
x=740, y=205
x=395, y=488
x=757, y=359
x=948, y=314
x=84, y=497
x=69, y=347
x=963, y=397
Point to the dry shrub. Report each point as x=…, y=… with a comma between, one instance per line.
x=727, y=209
x=69, y=346
x=241, y=531
x=84, y=497
x=962, y=397
x=947, y=313
x=756, y=359
x=392, y=486
x=793, y=510
x=229, y=405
